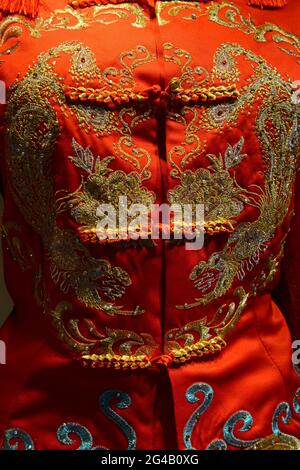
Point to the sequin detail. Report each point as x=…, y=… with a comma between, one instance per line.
x=231, y=424
x=241, y=421
x=124, y=401
x=296, y=401
x=191, y=397
x=275, y=441
x=64, y=431
x=24, y=441
x=84, y=435
x=283, y=412
x=227, y=277
x=218, y=444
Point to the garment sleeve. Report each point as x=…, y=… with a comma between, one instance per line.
x=287, y=292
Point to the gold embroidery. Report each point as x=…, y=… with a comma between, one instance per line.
x=225, y=13
x=123, y=349
x=214, y=187
x=178, y=96
x=10, y=27
x=122, y=97
x=187, y=116
x=94, y=119
x=228, y=14
x=68, y=18
x=202, y=336
x=267, y=275
x=8, y=32
x=275, y=126
x=34, y=128
x=72, y=267
x=103, y=121
x=192, y=347
x=280, y=442
x=84, y=66
x=101, y=186
x=175, y=9
x=114, y=348
x=71, y=19
x=32, y=133
x=19, y=250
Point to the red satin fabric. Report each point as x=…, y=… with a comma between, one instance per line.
x=44, y=383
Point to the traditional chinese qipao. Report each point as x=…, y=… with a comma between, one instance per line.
x=144, y=344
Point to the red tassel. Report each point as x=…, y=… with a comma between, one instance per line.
x=21, y=7
x=268, y=3
x=257, y=3
x=31, y=7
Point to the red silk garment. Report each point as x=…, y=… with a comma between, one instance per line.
x=145, y=344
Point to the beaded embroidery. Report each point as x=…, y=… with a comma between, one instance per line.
x=15, y=438
x=199, y=101
x=276, y=441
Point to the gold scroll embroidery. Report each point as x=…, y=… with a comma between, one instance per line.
x=114, y=348
x=33, y=130
x=275, y=128
x=281, y=442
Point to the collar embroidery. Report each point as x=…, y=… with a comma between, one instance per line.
x=30, y=8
